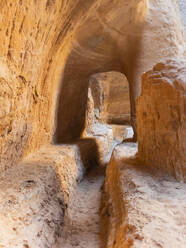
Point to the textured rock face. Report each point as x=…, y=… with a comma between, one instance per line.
x=93, y=52
x=162, y=118
x=45, y=41
x=108, y=101
x=35, y=196
x=30, y=44
x=94, y=128
x=131, y=46
x=48, y=51
x=110, y=92
x=142, y=210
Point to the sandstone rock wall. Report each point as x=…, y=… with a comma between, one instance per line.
x=108, y=102
x=147, y=31
x=49, y=49
x=93, y=52
x=95, y=128
x=110, y=92
x=161, y=118
x=35, y=196
x=35, y=40
x=142, y=210
x=162, y=30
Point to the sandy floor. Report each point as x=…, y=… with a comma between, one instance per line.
x=83, y=223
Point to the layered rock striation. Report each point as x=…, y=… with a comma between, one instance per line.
x=108, y=102
x=49, y=49
x=35, y=196
x=161, y=114
x=140, y=209
x=110, y=92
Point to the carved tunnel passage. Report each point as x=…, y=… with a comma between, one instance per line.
x=48, y=195
x=110, y=97
x=99, y=51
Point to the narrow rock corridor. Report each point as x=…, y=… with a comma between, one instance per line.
x=93, y=124
x=82, y=226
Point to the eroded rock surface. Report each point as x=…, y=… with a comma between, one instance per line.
x=108, y=101
x=49, y=49
x=162, y=118
x=35, y=195
x=142, y=210
x=110, y=92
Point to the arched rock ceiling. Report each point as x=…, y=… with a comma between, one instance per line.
x=127, y=36
x=98, y=44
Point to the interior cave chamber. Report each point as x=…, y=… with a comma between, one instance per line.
x=92, y=124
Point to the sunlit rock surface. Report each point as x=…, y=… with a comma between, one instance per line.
x=49, y=49
x=161, y=116
x=110, y=92
x=108, y=102
x=35, y=196
x=141, y=210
